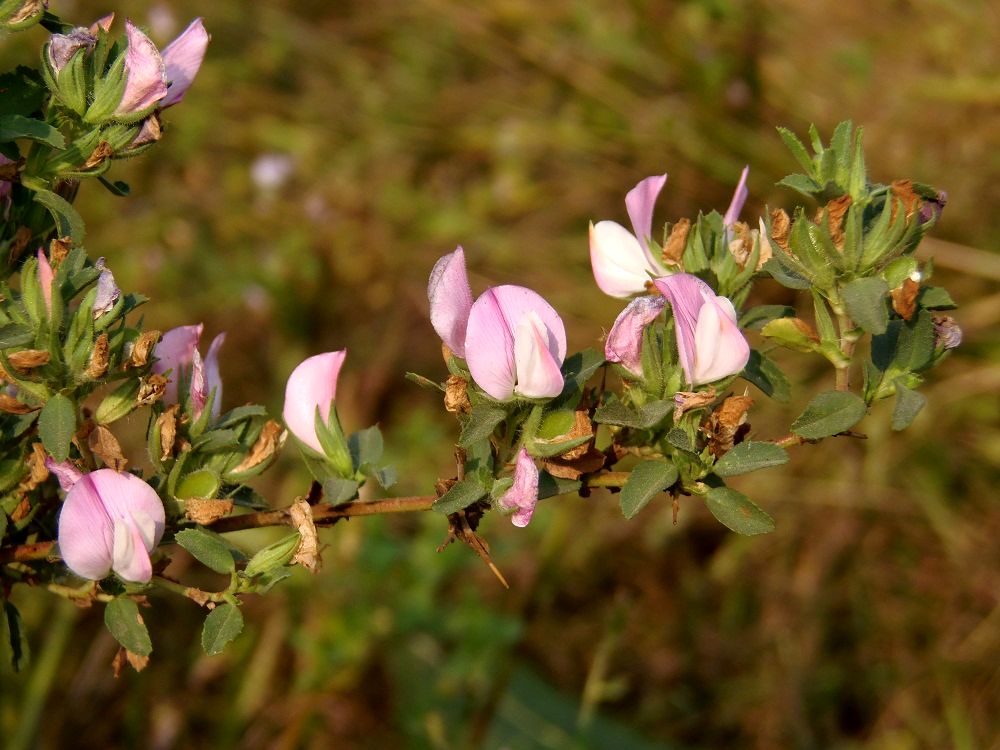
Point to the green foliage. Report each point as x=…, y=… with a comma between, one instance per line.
x=750, y=456
x=222, y=625
x=123, y=621
x=646, y=481
x=56, y=426
x=207, y=549
x=828, y=414
x=460, y=495
x=737, y=512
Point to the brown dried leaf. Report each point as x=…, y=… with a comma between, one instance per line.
x=137, y=662
x=688, y=400
x=11, y=405
x=456, y=395
x=272, y=438
x=673, y=250
x=573, y=468
x=904, y=298
x=105, y=446
x=307, y=555
x=98, y=365
x=9, y=170
x=903, y=190
x=781, y=226
x=98, y=156
x=166, y=423
x=142, y=348
x=724, y=425
x=151, y=389
x=22, y=238
x=21, y=511
x=58, y=250
x=742, y=244
x=28, y=359
x=836, y=210
x=204, y=511
x=37, y=471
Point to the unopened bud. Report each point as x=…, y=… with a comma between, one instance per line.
x=273, y=556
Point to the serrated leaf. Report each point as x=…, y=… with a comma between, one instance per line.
x=737, y=512
x=828, y=414
x=461, y=495
x=865, y=301
x=123, y=621
x=56, y=426
x=480, y=423
x=207, y=549
x=68, y=221
x=750, y=456
x=203, y=483
x=908, y=405
x=222, y=625
x=646, y=481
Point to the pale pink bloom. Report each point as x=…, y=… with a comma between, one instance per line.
x=110, y=521
x=311, y=386
x=182, y=59
x=145, y=83
x=62, y=47
x=523, y=494
x=450, y=300
x=709, y=341
x=177, y=353
x=622, y=261
x=65, y=471
x=624, y=342
x=45, y=279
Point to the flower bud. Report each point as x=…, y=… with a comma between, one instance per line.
x=312, y=386
x=522, y=496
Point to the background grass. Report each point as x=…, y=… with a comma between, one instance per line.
x=326, y=156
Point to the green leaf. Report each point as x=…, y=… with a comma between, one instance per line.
x=480, y=423
x=222, y=625
x=68, y=221
x=915, y=345
x=365, y=446
x=461, y=495
x=865, y=301
x=793, y=144
x=123, y=621
x=801, y=184
x=15, y=636
x=679, y=439
x=935, y=298
x=240, y=414
x=217, y=441
x=785, y=275
x=756, y=317
x=550, y=486
x=547, y=448
x=23, y=91
x=737, y=512
x=646, y=481
x=908, y=405
x=647, y=416
x=750, y=456
x=790, y=333
x=14, y=334
x=828, y=414
x=578, y=369
x=14, y=127
x=273, y=556
x=207, y=549
x=203, y=483
x=338, y=490
x=56, y=426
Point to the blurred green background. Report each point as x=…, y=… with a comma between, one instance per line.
x=327, y=154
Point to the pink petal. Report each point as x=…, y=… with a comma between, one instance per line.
x=639, y=202
x=62, y=47
x=489, y=340
x=523, y=494
x=686, y=295
x=145, y=84
x=45, y=278
x=175, y=353
x=104, y=22
x=213, y=379
x=450, y=300
x=624, y=342
x=85, y=531
x=129, y=558
x=107, y=291
x=621, y=267
x=65, y=472
x=312, y=384
x=739, y=198
x=538, y=374
x=182, y=59
x=721, y=350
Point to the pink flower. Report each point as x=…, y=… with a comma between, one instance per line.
x=739, y=198
x=522, y=496
x=110, y=521
x=311, y=386
x=513, y=340
x=623, y=261
x=709, y=341
x=624, y=342
x=451, y=300
x=148, y=73
x=177, y=353
x=45, y=278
